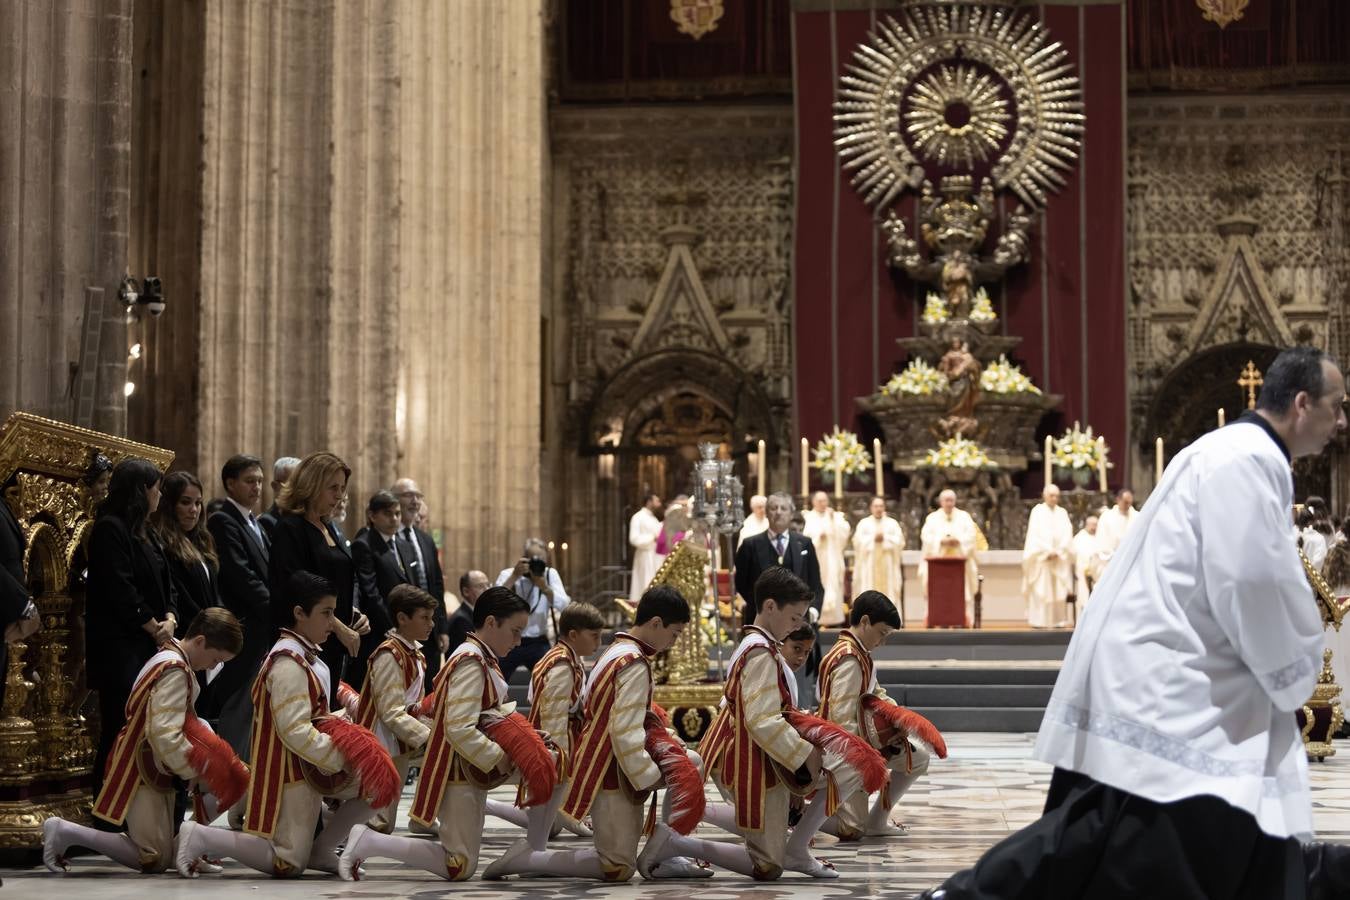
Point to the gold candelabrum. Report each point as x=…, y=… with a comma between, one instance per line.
x=1321, y=717
x=46, y=746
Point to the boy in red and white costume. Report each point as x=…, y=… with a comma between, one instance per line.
x=294, y=765
x=138, y=789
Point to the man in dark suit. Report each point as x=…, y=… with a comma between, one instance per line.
x=243, y=548
x=281, y=473
x=779, y=546
x=380, y=567
x=424, y=567
x=471, y=584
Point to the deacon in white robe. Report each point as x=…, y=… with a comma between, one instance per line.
x=1114, y=523
x=755, y=523
x=878, y=542
x=643, y=530
x=829, y=530
x=1047, y=562
x=1088, y=561
x=949, y=531
x=1179, y=769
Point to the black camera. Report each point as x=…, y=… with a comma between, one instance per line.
x=537, y=566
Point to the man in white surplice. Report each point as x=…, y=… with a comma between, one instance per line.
x=1088, y=561
x=1180, y=771
x=643, y=530
x=1113, y=525
x=755, y=523
x=1047, y=562
x=878, y=542
x=828, y=529
x=949, y=531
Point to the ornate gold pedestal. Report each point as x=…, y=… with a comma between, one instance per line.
x=46, y=748
x=1321, y=717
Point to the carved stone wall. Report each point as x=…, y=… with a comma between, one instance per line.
x=1238, y=223
x=671, y=240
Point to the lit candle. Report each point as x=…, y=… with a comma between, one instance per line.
x=1158, y=448
x=1101, y=462
x=1221, y=419
x=806, y=467
x=761, y=470
x=1049, y=450
x=876, y=456
x=839, y=479
x=563, y=568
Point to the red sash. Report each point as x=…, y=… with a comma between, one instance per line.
x=131, y=763
x=594, y=763
x=847, y=647
x=442, y=765
x=728, y=746
x=367, y=711
x=273, y=765
x=560, y=654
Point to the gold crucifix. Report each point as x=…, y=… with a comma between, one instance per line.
x=1251, y=380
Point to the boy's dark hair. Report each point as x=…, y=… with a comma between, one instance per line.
x=877, y=607
x=380, y=501
x=803, y=633
x=305, y=590
x=664, y=601
x=579, y=616
x=780, y=585
x=500, y=603
x=408, y=599
x=220, y=628
x=237, y=465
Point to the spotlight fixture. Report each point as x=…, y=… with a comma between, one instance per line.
x=152, y=296
x=128, y=292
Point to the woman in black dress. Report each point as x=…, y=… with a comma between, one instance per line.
x=131, y=607
x=180, y=528
x=303, y=540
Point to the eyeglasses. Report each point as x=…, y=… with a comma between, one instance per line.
x=416, y=495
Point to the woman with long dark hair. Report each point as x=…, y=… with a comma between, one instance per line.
x=130, y=605
x=303, y=541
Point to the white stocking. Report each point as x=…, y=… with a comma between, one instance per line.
x=583, y=863
x=210, y=808
x=540, y=819
x=729, y=856
x=249, y=849
x=799, y=844
x=323, y=856
x=721, y=815
x=420, y=854
x=117, y=846
x=507, y=812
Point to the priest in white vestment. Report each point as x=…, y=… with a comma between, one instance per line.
x=1179, y=768
x=1047, y=562
x=643, y=530
x=755, y=523
x=949, y=531
x=1088, y=561
x=829, y=530
x=878, y=542
x=1114, y=523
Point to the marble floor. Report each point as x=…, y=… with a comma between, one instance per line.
x=988, y=787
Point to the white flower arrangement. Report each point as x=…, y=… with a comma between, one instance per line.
x=918, y=379
x=841, y=447
x=957, y=453
x=935, y=309
x=1077, y=449
x=982, y=310
x=1002, y=377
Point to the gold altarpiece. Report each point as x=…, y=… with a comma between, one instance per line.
x=46, y=746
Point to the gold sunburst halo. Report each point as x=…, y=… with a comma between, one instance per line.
x=931, y=103
x=1036, y=81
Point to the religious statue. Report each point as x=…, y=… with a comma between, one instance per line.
x=956, y=284
x=963, y=378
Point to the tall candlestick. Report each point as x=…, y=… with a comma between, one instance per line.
x=806, y=466
x=1101, y=462
x=1158, y=463
x=839, y=479
x=876, y=457
x=761, y=456
x=1049, y=450
x=1221, y=418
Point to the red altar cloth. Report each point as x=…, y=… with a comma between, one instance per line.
x=947, y=592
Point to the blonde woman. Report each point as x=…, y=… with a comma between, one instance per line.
x=302, y=541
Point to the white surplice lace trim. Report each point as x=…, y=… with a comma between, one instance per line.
x=1290, y=674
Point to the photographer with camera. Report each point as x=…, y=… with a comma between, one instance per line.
x=539, y=585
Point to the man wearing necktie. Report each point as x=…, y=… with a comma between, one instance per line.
x=424, y=569
x=778, y=546
x=381, y=561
